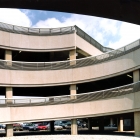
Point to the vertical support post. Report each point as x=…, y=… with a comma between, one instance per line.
x=8, y=56
x=73, y=91
x=136, y=75
x=111, y=121
x=72, y=56
x=73, y=127
x=9, y=130
x=9, y=127
x=137, y=123
x=90, y=124
x=136, y=78
x=52, y=127
x=101, y=124
x=120, y=124
x=9, y=94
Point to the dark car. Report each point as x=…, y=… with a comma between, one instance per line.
x=29, y=126
x=17, y=127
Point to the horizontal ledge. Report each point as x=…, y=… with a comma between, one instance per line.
x=37, y=50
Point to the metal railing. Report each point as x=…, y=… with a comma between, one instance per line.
x=84, y=97
x=36, y=31
x=51, y=32
x=92, y=41
x=16, y=65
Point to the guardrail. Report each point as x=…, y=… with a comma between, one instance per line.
x=84, y=97
x=92, y=41
x=36, y=31
x=51, y=32
x=16, y=65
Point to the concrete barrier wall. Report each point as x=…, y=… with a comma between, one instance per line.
x=34, y=43
x=120, y=104
x=23, y=42
x=120, y=65
x=87, y=47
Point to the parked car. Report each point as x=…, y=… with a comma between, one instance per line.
x=61, y=123
x=29, y=126
x=2, y=126
x=41, y=127
x=57, y=127
x=17, y=127
x=68, y=125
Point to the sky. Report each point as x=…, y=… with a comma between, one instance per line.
x=109, y=33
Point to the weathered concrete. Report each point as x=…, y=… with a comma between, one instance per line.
x=111, y=121
x=120, y=65
x=73, y=137
x=90, y=124
x=9, y=130
x=136, y=75
x=101, y=124
x=74, y=127
x=120, y=124
x=137, y=123
x=52, y=126
x=115, y=105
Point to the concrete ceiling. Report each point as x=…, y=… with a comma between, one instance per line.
x=124, y=10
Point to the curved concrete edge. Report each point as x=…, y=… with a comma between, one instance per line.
x=72, y=137
x=123, y=64
x=120, y=104
x=38, y=50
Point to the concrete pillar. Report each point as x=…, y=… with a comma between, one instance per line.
x=89, y=124
x=136, y=76
x=72, y=56
x=9, y=94
x=101, y=124
x=111, y=121
x=9, y=130
x=52, y=126
x=120, y=124
x=74, y=127
x=137, y=123
x=8, y=56
x=73, y=91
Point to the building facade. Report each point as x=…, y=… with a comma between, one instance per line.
x=72, y=75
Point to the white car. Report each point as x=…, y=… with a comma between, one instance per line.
x=57, y=127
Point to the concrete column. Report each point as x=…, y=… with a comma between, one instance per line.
x=111, y=121
x=8, y=56
x=137, y=123
x=89, y=124
x=52, y=126
x=101, y=124
x=73, y=91
x=120, y=124
x=72, y=56
x=136, y=76
x=9, y=130
x=9, y=94
x=74, y=127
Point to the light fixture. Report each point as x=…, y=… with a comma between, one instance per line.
x=129, y=76
x=19, y=51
